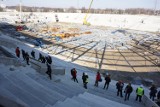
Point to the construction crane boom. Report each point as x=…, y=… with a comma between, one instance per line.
x=85, y=18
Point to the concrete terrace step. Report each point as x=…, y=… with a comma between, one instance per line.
x=112, y=96
x=102, y=101
x=63, y=86
x=57, y=103
x=87, y=102
x=71, y=83
x=70, y=103
x=20, y=93
x=8, y=95
x=38, y=86
x=54, y=86
x=44, y=96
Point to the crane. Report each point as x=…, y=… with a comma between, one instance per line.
x=85, y=18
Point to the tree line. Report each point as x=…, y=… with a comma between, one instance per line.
x=132, y=11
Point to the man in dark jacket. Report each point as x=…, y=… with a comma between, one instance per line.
x=40, y=57
x=49, y=71
x=158, y=95
x=153, y=92
x=128, y=91
x=85, y=79
x=119, y=86
x=107, y=81
x=23, y=54
x=72, y=70
x=43, y=59
x=27, y=57
x=33, y=54
x=49, y=59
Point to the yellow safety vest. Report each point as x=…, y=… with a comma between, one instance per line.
x=140, y=91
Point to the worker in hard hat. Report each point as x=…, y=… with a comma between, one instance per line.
x=140, y=93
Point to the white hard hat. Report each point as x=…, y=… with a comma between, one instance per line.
x=141, y=85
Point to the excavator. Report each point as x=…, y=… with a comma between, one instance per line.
x=85, y=18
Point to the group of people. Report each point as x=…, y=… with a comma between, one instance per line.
x=119, y=86
x=43, y=59
x=25, y=55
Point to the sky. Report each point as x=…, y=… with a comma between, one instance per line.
x=102, y=4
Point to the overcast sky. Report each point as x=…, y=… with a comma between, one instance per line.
x=118, y=4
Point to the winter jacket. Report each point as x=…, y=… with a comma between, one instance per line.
x=158, y=95
x=120, y=85
x=108, y=79
x=72, y=70
x=153, y=91
x=128, y=89
x=74, y=73
x=98, y=77
x=85, y=78
x=17, y=51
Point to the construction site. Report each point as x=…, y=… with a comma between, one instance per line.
x=125, y=46
x=124, y=53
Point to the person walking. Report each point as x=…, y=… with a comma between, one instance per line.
x=158, y=95
x=75, y=75
x=140, y=93
x=27, y=58
x=40, y=57
x=128, y=90
x=33, y=54
x=153, y=92
x=49, y=71
x=107, y=81
x=119, y=86
x=49, y=59
x=72, y=70
x=23, y=54
x=85, y=79
x=98, y=77
x=17, y=52
x=43, y=59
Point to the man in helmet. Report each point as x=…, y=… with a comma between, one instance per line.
x=85, y=79
x=140, y=93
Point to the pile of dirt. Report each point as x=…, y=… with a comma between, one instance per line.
x=74, y=29
x=88, y=32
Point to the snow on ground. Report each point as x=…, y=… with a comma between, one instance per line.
x=56, y=62
x=102, y=37
x=136, y=22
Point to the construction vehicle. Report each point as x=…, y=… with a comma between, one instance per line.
x=85, y=18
